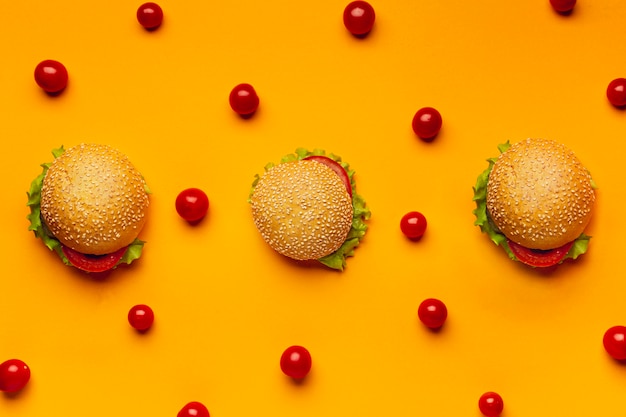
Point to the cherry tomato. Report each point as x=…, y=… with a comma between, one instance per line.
x=335, y=166
x=192, y=204
x=93, y=263
x=433, y=313
x=243, y=99
x=413, y=224
x=563, y=6
x=141, y=317
x=359, y=17
x=491, y=404
x=14, y=375
x=51, y=76
x=150, y=15
x=616, y=92
x=539, y=258
x=614, y=342
x=427, y=123
x=193, y=409
x=295, y=362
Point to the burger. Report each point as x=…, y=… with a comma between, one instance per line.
x=306, y=208
x=535, y=201
x=88, y=206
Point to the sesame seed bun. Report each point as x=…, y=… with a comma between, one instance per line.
x=539, y=194
x=302, y=209
x=93, y=200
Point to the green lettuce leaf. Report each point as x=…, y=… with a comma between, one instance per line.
x=488, y=227
x=360, y=212
x=40, y=230
x=133, y=252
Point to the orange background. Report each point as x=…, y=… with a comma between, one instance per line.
x=226, y=306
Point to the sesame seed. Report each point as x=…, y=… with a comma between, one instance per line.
x=80, y=191
x=302, y=209
x=551, y=190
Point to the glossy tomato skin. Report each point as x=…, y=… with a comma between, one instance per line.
x=432, y=312
x=150, y=15
x=359, y=17
x=92, y=263
x=413, y=224
x=141, y=317
x=336, y=167
x=192, y=204
x=193, y=409
x=295, y=362
x=539, y=259
x=427, y=123
x=563, y=6
x=616, y=92
x=14, y=375
x=243, y=99
x=51, y=76
x=614, y=342
x=491, y=404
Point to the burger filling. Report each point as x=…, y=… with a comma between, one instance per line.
x=360, y=213
x=86, y=262
x=515, y=251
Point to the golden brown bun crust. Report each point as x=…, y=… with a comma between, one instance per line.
x=302, y=209
x=93, y=200
x=539, y=194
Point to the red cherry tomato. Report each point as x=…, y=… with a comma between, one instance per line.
x=413, y=224
x=150, y=15
x=141, y=317
x=359, y=17
x=563, y=6
x=335, y=166
x=193, y=409
x=192, y=204
x=243, y=99
x=614, y=342
x=616, y=92
x=427, y=123
x=491, y=404
x=433, y=313
x=295, y=362
x=93, y=263
x=14, y=375
x=51, y=76
x=539, y=258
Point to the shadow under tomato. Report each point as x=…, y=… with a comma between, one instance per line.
x=197, y=223
x=143, y=332
x=434, y=330
x=619, y=362
x=105, y=276
x=12, y=396
x=555, y=271
x=565, y=13
x=55, y=93
x=247, y=116
x=298, y=382
x=96, y=276
x=363, y=36
x=415, y=239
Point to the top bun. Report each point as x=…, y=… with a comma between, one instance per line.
x=302, y=209
x=539, y=194
x=93, y=200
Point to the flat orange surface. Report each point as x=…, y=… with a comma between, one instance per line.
x=226, y=306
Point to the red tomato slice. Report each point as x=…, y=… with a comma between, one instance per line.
x=539, y=258
x=93, y=263
x=335, y=166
